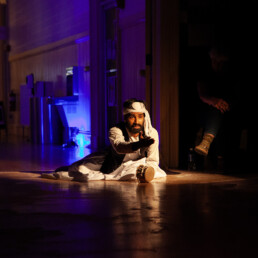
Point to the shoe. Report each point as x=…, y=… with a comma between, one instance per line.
x=204, y=146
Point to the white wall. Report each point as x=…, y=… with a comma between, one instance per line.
x=46, y=37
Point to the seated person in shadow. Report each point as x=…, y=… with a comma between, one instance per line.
x=220, y=112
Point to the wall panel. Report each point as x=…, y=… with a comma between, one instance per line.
x=45, y=37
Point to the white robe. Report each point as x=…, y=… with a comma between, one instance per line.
x=127, y=170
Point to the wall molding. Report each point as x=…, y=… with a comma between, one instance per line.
x=72, y=40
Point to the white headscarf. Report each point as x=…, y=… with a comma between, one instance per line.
x=140, y=108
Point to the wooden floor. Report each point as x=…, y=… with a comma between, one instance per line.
x=188, y=214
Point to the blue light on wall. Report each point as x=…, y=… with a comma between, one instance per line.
x=77, y=112
x=82, y=140
x=74, y=109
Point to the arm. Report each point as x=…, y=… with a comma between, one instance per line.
x=121, y=146
x=218, y=103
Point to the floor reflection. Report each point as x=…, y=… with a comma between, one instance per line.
x=117, y=216
x=188, y=214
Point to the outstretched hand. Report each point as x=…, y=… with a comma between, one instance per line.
x=145, y=141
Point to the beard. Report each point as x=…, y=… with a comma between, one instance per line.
x=133, y=128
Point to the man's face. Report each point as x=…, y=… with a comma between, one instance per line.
x=219, y=62
x=134, y=122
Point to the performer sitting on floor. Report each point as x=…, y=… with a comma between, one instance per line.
x=133, y=153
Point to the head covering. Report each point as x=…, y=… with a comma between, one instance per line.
x=139, y=107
